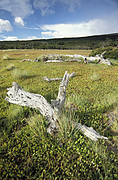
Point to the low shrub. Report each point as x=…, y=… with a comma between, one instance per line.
x=81, y=58
x=34, y=154
x=20, y=74
x=111, y=52
x=95, y=77
x=10, y=67
x=42, y=58
x=6, y=57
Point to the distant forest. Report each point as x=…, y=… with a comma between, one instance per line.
x=90, y=42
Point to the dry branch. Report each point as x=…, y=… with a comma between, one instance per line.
x=57, y=79
x=53, y=61
x=17, y=95
x=51, y=79
x=89, y=132
x=26, y=60
x=59, y=102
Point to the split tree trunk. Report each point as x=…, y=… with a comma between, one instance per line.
x=17, y=95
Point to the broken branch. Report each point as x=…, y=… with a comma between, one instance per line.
x=57, y=79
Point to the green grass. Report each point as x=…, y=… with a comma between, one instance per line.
x=10, y=67
x=6, y=57
x=28, y=151
x=20, y=74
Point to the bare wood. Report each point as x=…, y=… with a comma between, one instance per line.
x=89, y=132
x=57, y=79
x=51, y=79
x=53, y=61
x=72, y=75
x=102, y=60
x=59, y=102
x=17, y=95
x=26, y=60
x=102, y=54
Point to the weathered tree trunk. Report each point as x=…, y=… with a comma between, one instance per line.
x=89, y=132
x=57, y=79
x=51, y=79
x=17, y=95
x=102, y=60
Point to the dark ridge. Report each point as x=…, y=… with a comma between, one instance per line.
x=89, y=42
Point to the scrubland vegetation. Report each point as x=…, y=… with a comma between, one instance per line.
x=27, y=150
x=111, y=52
x=90, y=42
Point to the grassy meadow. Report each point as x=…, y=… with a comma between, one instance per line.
x=27, y=150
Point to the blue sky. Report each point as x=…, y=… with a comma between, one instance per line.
x=37, y=19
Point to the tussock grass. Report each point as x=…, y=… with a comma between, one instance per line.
x=37, y=125
x=95, y=77
x=6, y=57
x=15, y=111
x=20, y=74
x=10, y=67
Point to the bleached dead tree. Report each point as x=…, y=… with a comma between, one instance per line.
x=17, y=95
x=57, y=79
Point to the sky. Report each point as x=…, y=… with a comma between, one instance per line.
x=45, y=19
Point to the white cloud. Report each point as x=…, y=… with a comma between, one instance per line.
x=30, y=38
x=19, y=20
x=71, y=4
x=5, y=25
x=93, y=27
x=46, y=6
x=33, y=28
x=23, y=8
x=15, y=38
x=67, y=30
x=10, y=38
x=18, y=8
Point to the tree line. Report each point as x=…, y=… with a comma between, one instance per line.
x=90, y=42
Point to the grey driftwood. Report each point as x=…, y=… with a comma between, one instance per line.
x=17, y=95
x=57, y=79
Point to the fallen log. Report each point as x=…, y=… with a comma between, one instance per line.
x=72, y=75
x=73, y=60
x=53, y=61
x=52, y=112
x=26, y=60
x=102, y=60
x=51, y=79
x=89, y=132
x=57, y=79
x=17, y=95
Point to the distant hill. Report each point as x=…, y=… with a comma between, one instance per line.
x=89, y=42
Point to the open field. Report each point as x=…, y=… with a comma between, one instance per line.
x=28, y=152
x=32, y=54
